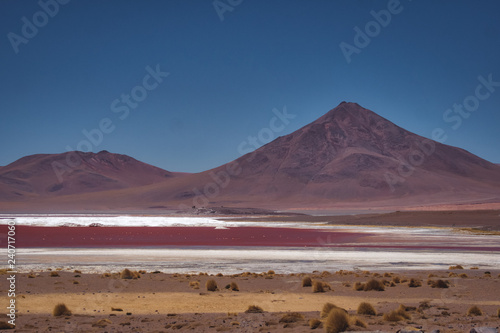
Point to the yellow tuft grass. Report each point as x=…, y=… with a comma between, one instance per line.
x=337, y=321
x=366, y=308
x=61, y=310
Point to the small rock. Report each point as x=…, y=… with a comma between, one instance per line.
x=484, y=330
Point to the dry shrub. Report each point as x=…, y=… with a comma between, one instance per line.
x=346, y=284
x=358, y=286
x=387, y=275
x=318, y=287
x=194, y=284
x=456, y=267
x=54, y=274
x=337, y=321
x=234, y=286
x=392, y=316
x=254, y=309
x=127, y=274
x=116, y=309
x=6, y=326
x=402, y=311
x=306, y=281
x=76, y=282
x=77, y=271
x=61, y=310
x=424, y=305
x=271, y=272
x=106, y=275
x=498, y=313
x=31, y=276
x=327, y=308
x=291, y=317
x=474, y=311
x=414, y=283
x=211, y=285
x=396, y=279
x=463, y=275
x=366, y=308
x=452, y=274
x=220, y=275
x=474, y=268
x=355, y=321
x=373, y=284
x=102, y=323
x=431, y=275
x=142, y=271
x=314, y=323
x=440, y=284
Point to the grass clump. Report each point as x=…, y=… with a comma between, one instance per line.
x=456, y=267
x=54, y=274
x=440, y=284
x=306, y=282
x=374, y=284
x=337, y=321
x=392, y=316
x=414, y=283
x=234, y=286
x=292, y=317
x=194, y=284
x=355, y=321
x=127, y=274
x=254, y=309
x=31, y=276
x=211, y=285
x=61, y=310
x=6, y=326
x=366, y=308
x=463, y=275
x=318, y=287
x=314, y=323
x=474, y=311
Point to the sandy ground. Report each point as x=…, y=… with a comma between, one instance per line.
x=158, y=302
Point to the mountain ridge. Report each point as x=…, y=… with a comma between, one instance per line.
x=348, y=156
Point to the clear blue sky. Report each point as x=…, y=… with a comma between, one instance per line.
x=226, y=76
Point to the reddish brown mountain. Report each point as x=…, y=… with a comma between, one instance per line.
x=47, y=175
x=350, y=157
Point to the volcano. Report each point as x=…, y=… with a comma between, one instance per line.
x=349, y=156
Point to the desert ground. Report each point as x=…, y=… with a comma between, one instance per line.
x=158, y=302
x=139, y=300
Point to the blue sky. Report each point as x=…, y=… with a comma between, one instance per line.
x=226, y=76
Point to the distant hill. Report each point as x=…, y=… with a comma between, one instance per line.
x=47, y=175
x=349, y=157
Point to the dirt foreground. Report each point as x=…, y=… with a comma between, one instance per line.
x=158, y=302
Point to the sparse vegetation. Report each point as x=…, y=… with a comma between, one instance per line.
x=366, y=308
x=271, y=272
x=211, y=285
x=337, y=321
x=355, y=321
x=314, y=323
x=254, y=309
x=392, y=316
x=463, y=275
x=320, y=287
x=54, y=274
x=414, y=283
x=75, y=282
x=127, y=274
x=102, y=323
x=291, y=317
x=397, y=315
x=439, y=284
x=61, y=310
x=106, y=275
x=31, y=276
x=306, y=282
x=474, y=311
x=327, y=308
x=6, y=326
x=234, y=286
x=194, y=284
x=456, y=267
x=374, y=284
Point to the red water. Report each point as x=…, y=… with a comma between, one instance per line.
x=126, y=237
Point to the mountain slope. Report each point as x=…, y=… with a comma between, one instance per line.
x=348, y=157
x=47, y=175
